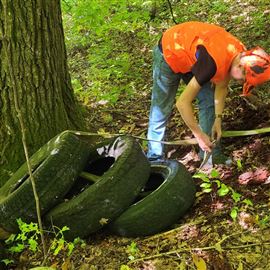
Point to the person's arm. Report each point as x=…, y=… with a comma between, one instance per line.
x=184, y=105
x=221, y=91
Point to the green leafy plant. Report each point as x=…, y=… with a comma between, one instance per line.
x=103, y=33
x=60, y=244
x=208, y=181
x=263, y=222
x=219, y=7
x=222, y=190
x=237, y=201
x=234, y=212
x=239, y=165
x=7, y=261
x=28, y=238
x=235, y=196
x=206, y=185
x=132, y=250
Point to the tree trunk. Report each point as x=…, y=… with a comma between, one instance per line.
x=33, y=62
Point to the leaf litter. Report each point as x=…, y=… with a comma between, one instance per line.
x=207, y=237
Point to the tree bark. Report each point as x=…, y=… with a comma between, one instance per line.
x=33, y=59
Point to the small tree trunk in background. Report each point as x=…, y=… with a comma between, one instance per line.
x=32, y=33
x=153, y=10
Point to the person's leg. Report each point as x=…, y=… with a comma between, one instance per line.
x=207, y=113
x=165, y=84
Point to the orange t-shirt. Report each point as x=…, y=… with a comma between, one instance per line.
x=180, y=42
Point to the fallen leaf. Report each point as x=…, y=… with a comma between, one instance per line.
x=240, y=266
x=245, y=178
x=259, y=176
x=103, y=221
x=66, y=265
x=199, y=262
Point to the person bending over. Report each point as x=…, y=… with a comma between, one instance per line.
x=206, y=57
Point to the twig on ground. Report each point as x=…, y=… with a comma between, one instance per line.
x=214, y=247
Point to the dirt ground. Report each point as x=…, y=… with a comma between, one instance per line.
x=220, y=232
x=207, y=237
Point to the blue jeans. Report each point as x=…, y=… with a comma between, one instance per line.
x=165, y=85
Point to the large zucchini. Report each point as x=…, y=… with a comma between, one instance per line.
x=123, y=170
x=168, y=194
x=55, y=167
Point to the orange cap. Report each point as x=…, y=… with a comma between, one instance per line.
x=257, y=66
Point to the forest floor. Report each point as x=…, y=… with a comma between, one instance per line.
x=207, y=235
x=220, y=232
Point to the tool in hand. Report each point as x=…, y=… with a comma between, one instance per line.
x=207, y=159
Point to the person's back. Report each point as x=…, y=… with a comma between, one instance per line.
x=206, y=57
x=180, y=44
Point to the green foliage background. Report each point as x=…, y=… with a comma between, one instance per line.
x=110, y=41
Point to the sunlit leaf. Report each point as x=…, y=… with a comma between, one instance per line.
x=248, y=202
x=124, y=267
x=65, y=228
x=59, y=247
x=218, y=183
x=199, y=262
x=131, y=257
x=239, y=165
x=70, y=247
x=218, y=247
x=223, y=190
x=236, y=196
x=103, y=221
x=215, y=173
x=205, y=185
x=133, y=249
x=234, y=213
x=10, y=239
x=7, y=261
x=33, y=244
x=240, y=266
x=201, y=176
x=18, y=248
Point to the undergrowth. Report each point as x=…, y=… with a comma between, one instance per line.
x=28, y=240
x=110, y=44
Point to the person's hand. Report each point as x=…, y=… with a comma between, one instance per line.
x=204, y=141
x=216, y=130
